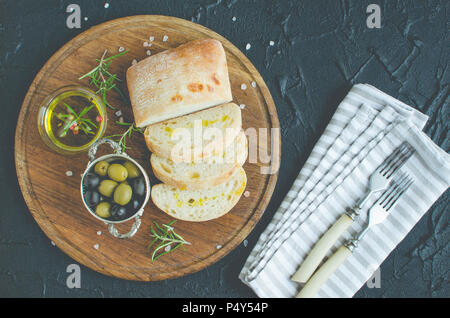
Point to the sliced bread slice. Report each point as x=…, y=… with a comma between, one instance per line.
x=200, y=205
x=210, y=172
x=195, y=136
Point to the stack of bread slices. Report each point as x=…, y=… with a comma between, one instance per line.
x=193, y=130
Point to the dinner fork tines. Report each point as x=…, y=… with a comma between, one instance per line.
x=385, y=202
x=377, y=213
x=380, y=178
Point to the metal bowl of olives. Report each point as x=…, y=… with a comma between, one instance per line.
x=115, y=188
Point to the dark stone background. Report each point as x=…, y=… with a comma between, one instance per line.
x=321, y=49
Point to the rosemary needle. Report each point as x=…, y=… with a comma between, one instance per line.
x=74, y=121
x=102, y=79
x=122, y=138
x=167, y=236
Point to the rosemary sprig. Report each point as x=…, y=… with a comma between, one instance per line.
x=122, y=138
x=73, y=121
x=102, y=79
x=167, y=236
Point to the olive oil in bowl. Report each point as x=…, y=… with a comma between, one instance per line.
x=71, y=119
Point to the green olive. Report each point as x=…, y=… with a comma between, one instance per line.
x=103, y=210
x=101, y=168
x=107, y=187
x=122, y=194
x=133, y=171
x=117, y=172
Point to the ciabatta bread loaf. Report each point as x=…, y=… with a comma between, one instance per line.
x=196, y=136
x=200, y=205
x=179, y=81
x=208, y=173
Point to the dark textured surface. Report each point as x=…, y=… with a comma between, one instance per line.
x=321, y=49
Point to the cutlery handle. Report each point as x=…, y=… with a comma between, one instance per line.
x=321, y=248
x=324, y=272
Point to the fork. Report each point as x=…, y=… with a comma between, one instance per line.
x=377, y=214
x=378, y=181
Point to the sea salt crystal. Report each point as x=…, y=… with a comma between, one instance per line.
x=99, y=232
x=233, y=19
x=152, y=38
x=96, y=246
x=85, y=18
x=245, y=243
x=253, y=84
x=218, y=246
x=118, y=113
x=53, y=243
x=121, y=49
x=243, y=87
x=165, y=38
x=145, y=44
x=271, y=43
x=69, y=173
x=248, y=46
x=134, y=62
x=167, y=248
x=149, y=52
x=242, y=106
x=106, y=5
x=246, y=194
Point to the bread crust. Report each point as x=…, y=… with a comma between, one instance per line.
x=179, y=81
x=218, y=213
x=195, y=184
x=165, y=151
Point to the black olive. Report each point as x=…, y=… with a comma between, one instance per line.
x=91, y=180
x=92, y=198
x=139, y=186
x=118, y=212
x=134, y=205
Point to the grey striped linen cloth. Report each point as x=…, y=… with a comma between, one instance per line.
x=367, y=126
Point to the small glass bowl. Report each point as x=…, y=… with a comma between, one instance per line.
x=45, y=114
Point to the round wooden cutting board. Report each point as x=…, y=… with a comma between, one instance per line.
x=54, y=198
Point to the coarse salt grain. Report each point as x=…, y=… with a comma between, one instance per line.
x=167, y=248
x=271, y=43
x=165, y=38
x=242, y=106
x=69, y=173
x=121, y=49
x=134, y=62
x=245, y=243
x=96, y=246
x=152, y=38
x=218, y=246
x=106, y=5
x=85, y=18
x=145, y=44
x=53, y=243
x=233, y=19
x=248, y=46
x=246, y=194
x=149, y=52
x=99, y=232
x=243, y=87
x=253, y=84
x=118, y=113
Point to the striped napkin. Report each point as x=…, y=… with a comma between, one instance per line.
x=367, y=126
